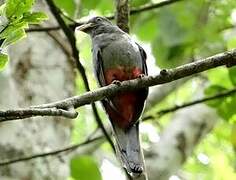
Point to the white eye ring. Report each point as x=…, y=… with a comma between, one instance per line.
x=99, y=19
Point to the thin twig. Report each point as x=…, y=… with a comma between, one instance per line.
x=177, y=107
x=148, y=7
x=66, y=16
x=64, y=45
x=43, y=29
x=51, y=153
x=133, y=11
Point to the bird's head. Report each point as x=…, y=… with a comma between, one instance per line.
x=97, y=25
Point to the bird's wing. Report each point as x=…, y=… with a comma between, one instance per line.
x=98, y=63
x=144, y=58
x=99, y=71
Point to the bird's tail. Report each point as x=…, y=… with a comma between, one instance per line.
x=129, y=150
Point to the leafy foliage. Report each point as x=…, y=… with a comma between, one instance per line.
x=3, y=60
x=15, y=16
x=179, y=33
x=83, y=168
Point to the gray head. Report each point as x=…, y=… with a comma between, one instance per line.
x=98, y=25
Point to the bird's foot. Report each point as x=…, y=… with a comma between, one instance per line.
x=141, y=76
x=164, y=72
x=136, y=168
x=116, y=82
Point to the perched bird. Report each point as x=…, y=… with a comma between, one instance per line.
x=117, y=57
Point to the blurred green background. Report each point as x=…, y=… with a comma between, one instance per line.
x=172, y=35
x=176, y=34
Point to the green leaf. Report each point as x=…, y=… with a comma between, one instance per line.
x=16, y=8
x=219, y=76
x=12, y=28
x=84, y=168
x=224, y=106
x=14, y=37
x=35, y=17
x=2, y=9
x=227, y=109
x=211, y=91
x=232, y=75
x=3, y=60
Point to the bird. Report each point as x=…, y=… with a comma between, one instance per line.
x=116, y=58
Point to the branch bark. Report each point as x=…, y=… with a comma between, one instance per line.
x=122, y=15
x=227, y=58
x=27, y=113
x=91, y=140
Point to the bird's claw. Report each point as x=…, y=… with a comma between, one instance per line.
x=136, y=168
x=116, y=82
x=141, y=76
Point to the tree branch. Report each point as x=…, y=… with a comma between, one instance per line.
x=90, y=140
x=27, y=113
x=75, y=53
x=165, y=76
x=133, y=11
x=51, y=153
x=148, y=7
x=122, y=15
x=177, y=107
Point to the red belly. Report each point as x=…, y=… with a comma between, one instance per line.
x=124, y=108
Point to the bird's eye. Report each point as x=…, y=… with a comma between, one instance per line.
x=98, y=19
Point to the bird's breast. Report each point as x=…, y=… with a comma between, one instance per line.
x=122, y=73
x=121, y=52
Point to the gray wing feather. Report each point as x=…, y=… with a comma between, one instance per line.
x=144, y=57
x=98, y=63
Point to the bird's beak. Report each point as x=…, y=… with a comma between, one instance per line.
x=85, y=27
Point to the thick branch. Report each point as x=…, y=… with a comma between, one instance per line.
x=26, y=113
x=133, y=11
x=164, y=77
x=162, y=112
x=122, y=15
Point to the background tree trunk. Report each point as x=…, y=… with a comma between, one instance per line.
x=38, y=72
